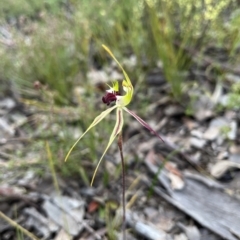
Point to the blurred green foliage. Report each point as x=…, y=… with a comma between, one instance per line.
x=27, y=8
x=233, y=100
x=56, y=42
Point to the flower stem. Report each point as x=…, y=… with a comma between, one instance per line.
x=120, y=143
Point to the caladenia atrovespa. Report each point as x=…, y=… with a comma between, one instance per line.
x=121, y=101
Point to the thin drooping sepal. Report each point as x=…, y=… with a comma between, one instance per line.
x=141, y=121
x=97, y=120
x=117, y=129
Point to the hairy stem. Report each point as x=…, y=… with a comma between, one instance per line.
x=120, y=143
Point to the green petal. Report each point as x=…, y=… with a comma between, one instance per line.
x=115, y=86
x=128, y=82
x=117, y=129
x=128, y=96
x=97, y=120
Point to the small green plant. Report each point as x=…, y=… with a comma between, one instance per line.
x=233, y=101
x=225, y=131
x=190, y=109
x=114, y=95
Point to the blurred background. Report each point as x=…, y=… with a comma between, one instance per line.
x=183, y=59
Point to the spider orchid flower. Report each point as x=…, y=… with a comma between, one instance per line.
x=113, y=95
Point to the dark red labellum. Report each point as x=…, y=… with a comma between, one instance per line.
x=110, y=97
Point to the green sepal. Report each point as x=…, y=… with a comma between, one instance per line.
x=97, y=120
x=117, y=129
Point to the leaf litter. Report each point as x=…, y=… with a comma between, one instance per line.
x=194, y=175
